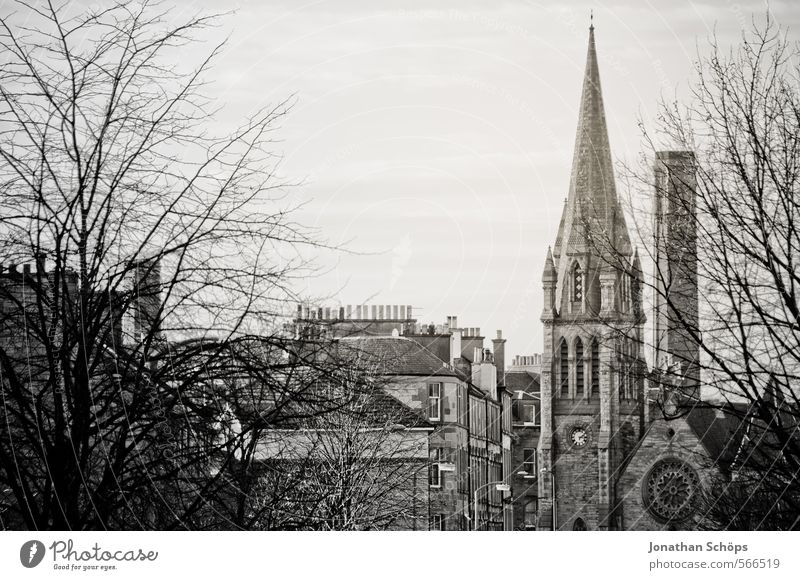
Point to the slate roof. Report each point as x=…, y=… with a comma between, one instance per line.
x=382, y=408
x=395, y=356
x=522, y=381
x=720, y=431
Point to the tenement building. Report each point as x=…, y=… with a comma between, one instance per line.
x=443, y=375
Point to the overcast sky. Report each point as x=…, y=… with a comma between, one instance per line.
x=435, y=138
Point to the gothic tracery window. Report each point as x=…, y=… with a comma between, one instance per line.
x=624, y=293
x=670, y=490
x=627, y=377
x=595, y=366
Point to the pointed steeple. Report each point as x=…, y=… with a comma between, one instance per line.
x=549, y=273
x=549, y=280
x=592, y=208
x=592, y=228
x=636, y=264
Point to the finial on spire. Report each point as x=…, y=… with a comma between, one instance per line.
x=591, y=19
x=550, y=274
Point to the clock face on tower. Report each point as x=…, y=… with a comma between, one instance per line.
x=578, y=437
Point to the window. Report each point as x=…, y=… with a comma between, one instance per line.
x=531, y=507
x=624, y=374
x=595, y=369
x=434, y=471
x=626, y=377
x=577, y=283
x=625, y=292
x=462, y=469
x=477, y=417
x=438, y=523
x=632, y=371
x=564, y=369
x=494, y=432
x=495, y=474
x=579, y=525
x=435, y=401
x=526, y=411
x=578, y=368
x=529, y=464
x=507, y=412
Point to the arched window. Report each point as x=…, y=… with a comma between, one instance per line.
x=628, y=288
x=595, y=380
x=626, y=371
x=563, y=374
x=579, y=525
x=578, y=368
x=624, y=292
x=633, y=370
x=577, y=282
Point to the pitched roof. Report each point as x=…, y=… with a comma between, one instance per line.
x=382, y=408
x=522, y=381
x=391, y=355
x=720, y=431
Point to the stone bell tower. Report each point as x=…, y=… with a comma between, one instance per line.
x=592, y=383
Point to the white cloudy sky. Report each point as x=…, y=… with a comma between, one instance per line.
x=435, y=138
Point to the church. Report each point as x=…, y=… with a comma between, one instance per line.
x=611, y=456
x=591, y=435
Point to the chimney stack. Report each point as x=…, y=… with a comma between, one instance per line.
x=484, y=373
x=455, y=346
x=499, y=350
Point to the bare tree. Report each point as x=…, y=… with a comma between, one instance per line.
x=742, y=314
x=361, y=466
x=267, y=429
x=157, y=249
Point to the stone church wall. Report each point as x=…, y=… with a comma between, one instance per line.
x=663, y=440
x=576, y=472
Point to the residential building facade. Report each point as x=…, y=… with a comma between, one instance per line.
x=444, y=374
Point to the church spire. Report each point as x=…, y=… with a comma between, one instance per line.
x=593, y=223
x=592, y=235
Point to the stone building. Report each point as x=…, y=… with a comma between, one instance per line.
x=609, y=457
x=524, y=387
x=592, y=316
x=443, y=373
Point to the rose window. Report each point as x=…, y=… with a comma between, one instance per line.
x=670, y=490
